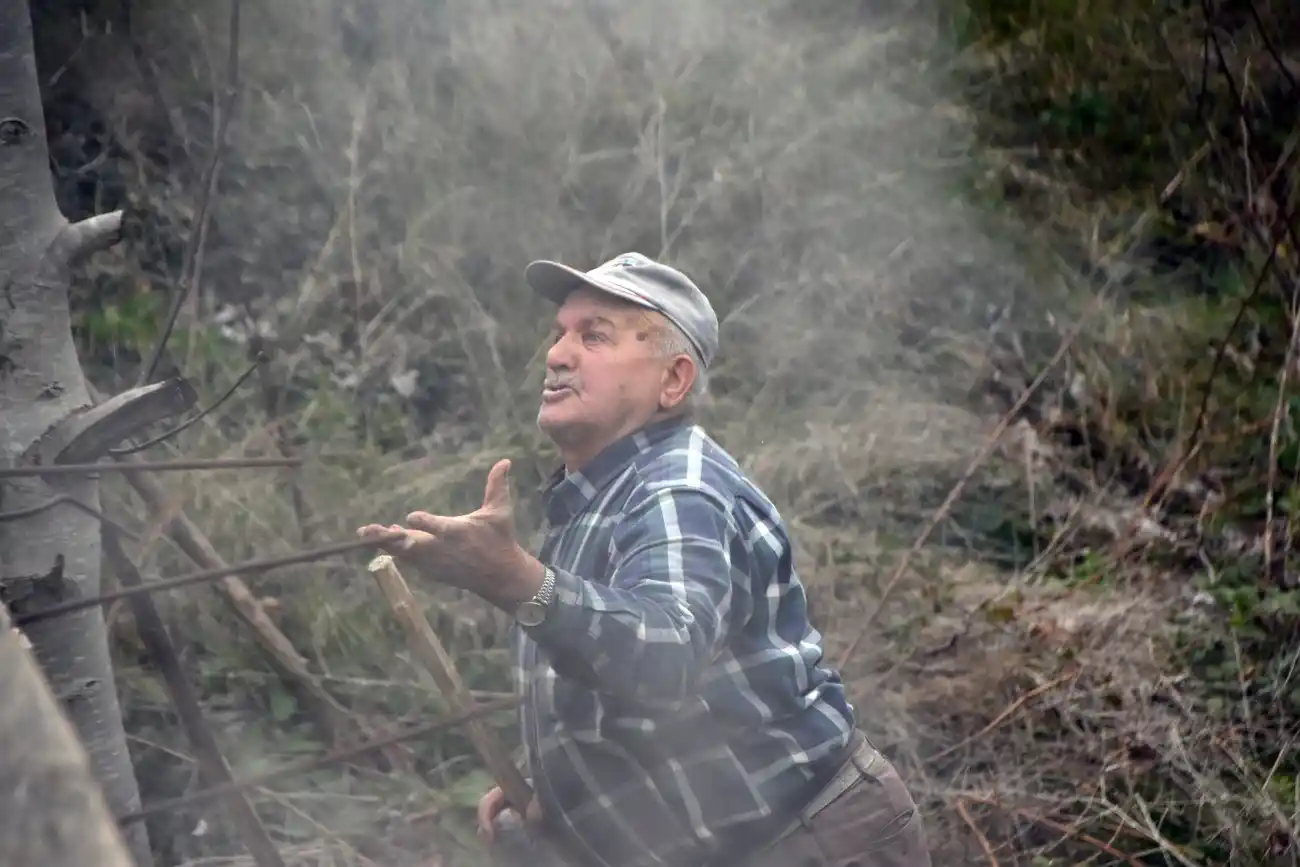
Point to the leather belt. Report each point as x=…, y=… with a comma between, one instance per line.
x=862, y=763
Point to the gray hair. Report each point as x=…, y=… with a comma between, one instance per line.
x=671, y=341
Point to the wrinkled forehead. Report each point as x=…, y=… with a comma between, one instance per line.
x=586, y=305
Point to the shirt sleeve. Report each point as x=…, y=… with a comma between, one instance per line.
x=650, y=631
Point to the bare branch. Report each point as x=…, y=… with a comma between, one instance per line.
x=331, y=718
x=168, y=434
x=18, y=514
x=150, y=466
x=955, y=493
x=281, y=429
x=90, y=433
x=213, y=768
x=249, y=567
x=332, y=758
x=84, y=238
x=194, y=248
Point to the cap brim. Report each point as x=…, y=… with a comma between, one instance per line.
x=555, y=281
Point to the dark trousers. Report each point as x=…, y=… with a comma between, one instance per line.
x=874, y=822
x=865, y=818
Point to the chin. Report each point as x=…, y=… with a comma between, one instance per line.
x=547, y=422
x=557, y=426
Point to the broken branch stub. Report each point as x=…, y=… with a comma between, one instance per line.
x=90, y=433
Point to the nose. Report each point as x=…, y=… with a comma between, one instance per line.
x=562, y=354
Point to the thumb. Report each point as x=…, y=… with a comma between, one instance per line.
x=497, y=495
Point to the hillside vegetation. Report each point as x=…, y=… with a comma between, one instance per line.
x=1068, y=225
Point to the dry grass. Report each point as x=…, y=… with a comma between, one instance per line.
x=393, y=167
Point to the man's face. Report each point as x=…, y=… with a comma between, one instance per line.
x=604, y=377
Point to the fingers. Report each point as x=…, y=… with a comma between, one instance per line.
x=408, y=541
x=489, y=807
x=496, y=494
x=435, y=524
x=533, y=815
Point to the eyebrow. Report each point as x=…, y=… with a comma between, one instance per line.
x=588, y=321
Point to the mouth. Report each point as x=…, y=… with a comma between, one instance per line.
x=553, y=393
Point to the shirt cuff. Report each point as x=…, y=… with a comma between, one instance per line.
x=567, y=609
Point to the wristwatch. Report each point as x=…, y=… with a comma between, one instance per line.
x=533, y=612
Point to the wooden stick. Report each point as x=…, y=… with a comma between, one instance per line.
x=428, y=649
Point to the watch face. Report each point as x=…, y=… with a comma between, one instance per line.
x=531, y=613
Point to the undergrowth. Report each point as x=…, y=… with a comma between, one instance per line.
x=1091, y=661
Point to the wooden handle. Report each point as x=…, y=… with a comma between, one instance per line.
x=424, y=643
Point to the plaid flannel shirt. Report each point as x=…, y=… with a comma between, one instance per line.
x=676, y=708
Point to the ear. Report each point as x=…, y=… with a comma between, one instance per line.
x=678, y=377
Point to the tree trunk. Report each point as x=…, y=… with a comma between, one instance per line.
x=48, y=555
x=52, y=812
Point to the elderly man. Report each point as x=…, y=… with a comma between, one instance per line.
x=676, y=708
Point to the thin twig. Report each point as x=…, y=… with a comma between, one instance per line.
x=1160, y=485
x=330, y=718
x=151, y=466
x=1239, y=103
x=331, y=758
x=213, y=768
x=148, y=74
x=985, y=846
x=18, y=514
x=1279, y=414
x=272, y=391
x=194, y=247
x=990, y=443
x=1271, y=47
x=247, y=568
x=1006, y=714
x=203, y=413
x=1069, y=831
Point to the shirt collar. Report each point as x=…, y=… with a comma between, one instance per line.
x=567, y=494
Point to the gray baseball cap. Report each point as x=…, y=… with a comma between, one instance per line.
x=641, y=280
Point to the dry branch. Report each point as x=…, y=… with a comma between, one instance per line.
x=90, y=434
x=191, y=266
x=332, y=758
x=213, y=768
x=990, y=443
x=330, y=717
x=1007, y=714
x=985, y=846
x=426, y=647
x=1067, y=830
x=61, y=499
x=189, y=422
x=52, y=812
x=249, y=567
x=94, y=469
